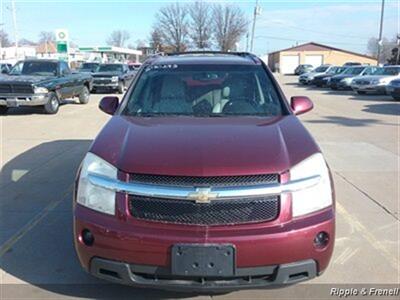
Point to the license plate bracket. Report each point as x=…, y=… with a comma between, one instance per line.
x=203, y=260
x=12, y=102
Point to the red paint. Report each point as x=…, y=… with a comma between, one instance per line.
x=301, y=104
x=109, y=104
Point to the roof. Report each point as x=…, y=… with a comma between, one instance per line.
x=312, y=46
x=206, y=57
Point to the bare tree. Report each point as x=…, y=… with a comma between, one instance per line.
x=172, y=22
x=230, y=24
x=386, y=48
x=47, y=37
x=118, y=38
x=4, y=39
x=200, y=14
x=156, y=41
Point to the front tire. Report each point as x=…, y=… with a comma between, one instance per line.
x=84, y=95
x=397, y=98
x=3, y=110
x=52, y=106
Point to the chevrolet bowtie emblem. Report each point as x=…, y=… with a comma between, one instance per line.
x=202, y=195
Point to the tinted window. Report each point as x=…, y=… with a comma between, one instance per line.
x=388, y=71
x=43, y=68
x=64, y=69
x=321, y=69
x=203, y=90
x=110, y=68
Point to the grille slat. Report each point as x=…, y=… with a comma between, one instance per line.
x=218, y=212
x=16, y=88
x=209, y=181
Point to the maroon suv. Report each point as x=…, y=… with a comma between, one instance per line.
x=204, y=179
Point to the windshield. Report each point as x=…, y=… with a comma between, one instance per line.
x=39, y=68
x=321, y=69
x=110, y=68
x=90, y=66
x=353, y=71
x=203, y=91
x=388, y=71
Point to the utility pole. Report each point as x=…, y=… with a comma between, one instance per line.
x=380, y=32
x=257, y=11
x=14, y=14
x=247, y=42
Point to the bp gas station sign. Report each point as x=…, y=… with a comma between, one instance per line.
x=62, y=43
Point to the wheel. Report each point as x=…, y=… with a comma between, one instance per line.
x=3, y=110
x=396, y=97
x=52, y=106
x=121, y=87
x=84, y=95
x=361, y=92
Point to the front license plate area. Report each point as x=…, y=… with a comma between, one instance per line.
x=203, y=260
x=12, y=102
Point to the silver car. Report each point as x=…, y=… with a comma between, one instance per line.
x=375, y=83
x=306, y=78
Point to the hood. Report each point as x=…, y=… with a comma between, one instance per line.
x=372, y=77
x=342, y=76
x=106, y=74
x=324, y=75
x=204, y=146
x=25, y=78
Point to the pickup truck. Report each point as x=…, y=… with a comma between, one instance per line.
x=42, y=83
x=113, y=77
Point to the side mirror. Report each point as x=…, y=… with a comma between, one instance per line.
x=109, y=104
x=301, y=104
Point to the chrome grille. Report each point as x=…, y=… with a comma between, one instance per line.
x=217, y=212
x=208, y=181
x=8, y=88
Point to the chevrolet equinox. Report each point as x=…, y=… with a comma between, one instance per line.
x=204, y=179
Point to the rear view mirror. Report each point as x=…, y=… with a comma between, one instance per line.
x=301, y=104
x=109, y=104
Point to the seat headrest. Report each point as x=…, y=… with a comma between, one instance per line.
x=226, y=91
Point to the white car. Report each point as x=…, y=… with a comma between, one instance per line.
x=306, y=78
x=376, y=83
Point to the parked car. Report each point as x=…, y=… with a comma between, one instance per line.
x=42, y=82
x=304, y=68
x=114, y=76
x=204, y=179
x=377, y=82
x=5, y=68
x=89, y=67
x=323, y=79
x=306, y=78
x=351, y=63
x=344, y=79
x=393, y=89
x=134, y=66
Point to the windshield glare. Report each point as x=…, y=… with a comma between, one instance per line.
x=40, y=68
x=353, y=71
x=388, y=71
x=110, y=68
x=91, y=66
x=321, y=69
x=203, y=91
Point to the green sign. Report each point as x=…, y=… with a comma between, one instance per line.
x=62, y=47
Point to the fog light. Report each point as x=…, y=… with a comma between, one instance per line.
x=321, y=239
x=87, y=237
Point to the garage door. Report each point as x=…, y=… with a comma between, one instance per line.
x=314, y=60
x=289, y=63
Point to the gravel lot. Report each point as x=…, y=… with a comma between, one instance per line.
x=40, y=153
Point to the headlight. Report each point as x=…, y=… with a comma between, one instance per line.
x=92, y=196
x=114, y=78
x=346, y=80
x=40, y=90
x=316, y=197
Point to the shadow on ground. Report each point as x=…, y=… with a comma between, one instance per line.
x=349, y=122
x=36, y=228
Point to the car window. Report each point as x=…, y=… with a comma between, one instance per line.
x=321, y=69
x=64, y=69
x=204, y=91
x=110, y=68
x=41, y=68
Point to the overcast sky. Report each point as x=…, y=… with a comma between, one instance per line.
x=343, y=24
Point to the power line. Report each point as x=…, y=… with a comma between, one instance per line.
x=305, y=41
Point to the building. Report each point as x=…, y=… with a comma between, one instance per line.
x=286, y=60
x=12, y=54
x=110, y=54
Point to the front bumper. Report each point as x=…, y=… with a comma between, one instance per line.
x=161, y=278
x=126, y=241
x=12, y=100
x=378, y=89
